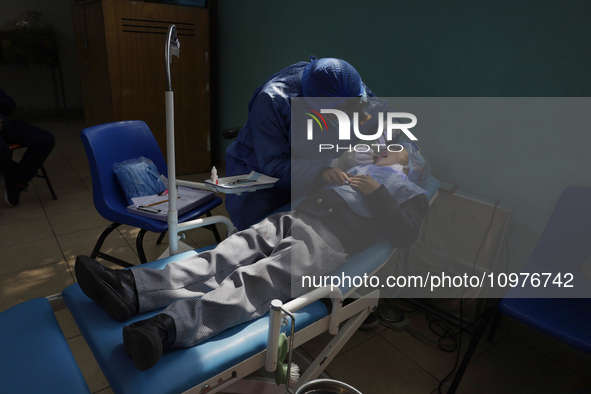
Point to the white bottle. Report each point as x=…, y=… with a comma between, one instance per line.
x=214, y=175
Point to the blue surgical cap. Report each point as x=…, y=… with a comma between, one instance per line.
x=331, y=78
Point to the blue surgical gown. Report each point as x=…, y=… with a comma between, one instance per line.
x=265, y=145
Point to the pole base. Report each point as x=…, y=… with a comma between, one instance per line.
x=183, y=247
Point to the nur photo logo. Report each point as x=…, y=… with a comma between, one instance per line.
x=392, y=123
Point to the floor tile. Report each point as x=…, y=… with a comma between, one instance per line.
x=30, y=208
x=154, y=251
x=543, y=369
x=90, y=370
x=221, y=210
x=33, y=283
x=204, y=237
x=73, y=202
x=314, y=346
x=56, y=160
x=125, y=253
x=83, y=242
x=572, y=358
x=67, y=323
x=80, y=164
x=489, y=374
x=72, y=222
x=25, y=231
x=88, y=183
x=108, y=390
x=433, y=359
x=31, y=254
x=59, y=171
x=377, y=367
x=69, y=146
x=130, y=233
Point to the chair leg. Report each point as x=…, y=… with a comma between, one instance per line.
x=494, y=325
x=161, y=237
x=96, y=252
x=470, y=352
x=139, y=243
x=212, y=227
x=48, y=182
x=101, y=240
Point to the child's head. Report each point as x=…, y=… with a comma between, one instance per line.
x=415, y=164
x=391, y=158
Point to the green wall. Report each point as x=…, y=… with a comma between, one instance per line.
x=433, y=49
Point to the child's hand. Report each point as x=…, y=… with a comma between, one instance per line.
x=364, y=183
x=335, y=176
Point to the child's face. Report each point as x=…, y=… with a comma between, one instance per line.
x=392, y=158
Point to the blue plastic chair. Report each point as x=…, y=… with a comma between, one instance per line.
x=562, y=313
x=564, y=246
x=116, y=142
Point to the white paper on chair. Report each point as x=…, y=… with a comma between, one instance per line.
x=156, y=207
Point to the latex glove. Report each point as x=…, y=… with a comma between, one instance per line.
x=353, y=159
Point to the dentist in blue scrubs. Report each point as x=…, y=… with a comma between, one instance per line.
x=264, y=143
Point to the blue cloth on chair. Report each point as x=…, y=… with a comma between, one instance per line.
x=138, y=177
x=34, y=355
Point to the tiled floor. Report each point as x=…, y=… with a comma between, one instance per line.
x=40, y=240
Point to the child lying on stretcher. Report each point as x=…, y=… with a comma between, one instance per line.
x=236, y=282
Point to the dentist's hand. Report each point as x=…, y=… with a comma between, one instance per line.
x=335, y=176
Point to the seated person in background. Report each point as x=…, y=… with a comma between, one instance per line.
x=236, y=282
x=39, y=144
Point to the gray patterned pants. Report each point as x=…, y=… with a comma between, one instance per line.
x=236, y=282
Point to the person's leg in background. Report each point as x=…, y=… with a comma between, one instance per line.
x=39, y=144
x=7, y=165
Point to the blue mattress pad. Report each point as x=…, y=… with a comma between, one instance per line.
x=34, y=354
x=179, y=369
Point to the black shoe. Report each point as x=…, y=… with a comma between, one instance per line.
x=114, y=290
x=145, y=340
x=13, y=191
x=370, y=322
